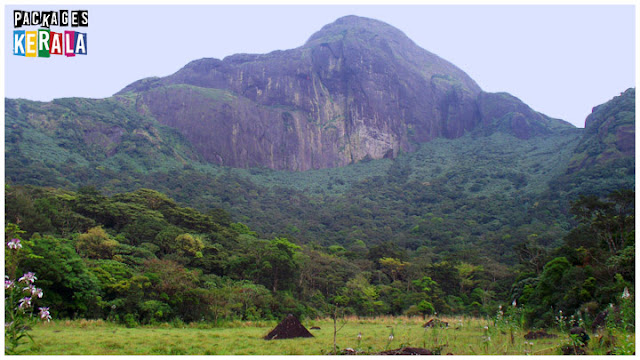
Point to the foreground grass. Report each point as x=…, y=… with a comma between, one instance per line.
x=463, y=337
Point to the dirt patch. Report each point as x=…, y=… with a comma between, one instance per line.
x=350, y=351
x=435, y=322
x=572, y=350
x=407, y=351
x=539, y=334
x=289, y=328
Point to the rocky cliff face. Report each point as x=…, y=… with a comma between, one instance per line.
x=609, y=133
x=358, y=88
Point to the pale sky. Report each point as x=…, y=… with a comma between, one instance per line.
x=560, y=60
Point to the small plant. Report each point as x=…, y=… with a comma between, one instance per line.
x=627, y=315
x=528, y=347
x=19, y=298
x=576, y=341
x=486, y=340
x=390, y=337
x=509, y=320
x=627, y=346
x=561, y=322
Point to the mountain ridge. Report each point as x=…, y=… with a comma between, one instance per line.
x=491, y=182
x=358, y=88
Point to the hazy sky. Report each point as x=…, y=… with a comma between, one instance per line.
x=560, y=60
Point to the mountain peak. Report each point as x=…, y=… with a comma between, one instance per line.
x=383, y=44
x=358, y=88
x=361, y=27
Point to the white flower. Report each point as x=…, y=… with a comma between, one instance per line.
x=28, y=277
x=625, y=293
x=24, y=303
x=14, y=244
x=38, y=292
x=44, y=314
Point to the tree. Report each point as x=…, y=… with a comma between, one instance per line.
x=71, y=289
x=612, y=221
x=361, y=294
x=172, y=283
x=96, y=244
x=550, y=280
x=280, y=258
x=428, y=287
x=220, y=304
x=468, y=274
x=531, y=254
x=189, y=244
x=392, y=267
x=425, y=308
x=338, y=303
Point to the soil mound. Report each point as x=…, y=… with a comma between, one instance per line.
x=435, y=322
x=289, y=328
x=407, y=351
x=539, y=334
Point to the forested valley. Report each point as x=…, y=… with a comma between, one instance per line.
x=140, y=258
x=148, y=233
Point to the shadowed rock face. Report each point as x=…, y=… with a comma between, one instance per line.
x=357, y=88
x=506, y=113
x=609, y=133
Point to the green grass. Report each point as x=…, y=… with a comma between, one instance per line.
x=465, y=336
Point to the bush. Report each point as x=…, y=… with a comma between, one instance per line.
x=130, y=321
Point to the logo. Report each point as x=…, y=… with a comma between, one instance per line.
x=43, y=42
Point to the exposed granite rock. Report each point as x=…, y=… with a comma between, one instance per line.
x=609, y=133
x=358, y=88
x=506, y=113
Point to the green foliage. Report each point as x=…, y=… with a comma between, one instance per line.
x=150, y=260
x=20, y=295
x=72, y=289
x=426, y=307
x=490, y=185
x=280, y=261
x=95, y=244
x=591, y=269
x=608, y=133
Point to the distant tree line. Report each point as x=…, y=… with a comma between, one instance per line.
x=141, y=258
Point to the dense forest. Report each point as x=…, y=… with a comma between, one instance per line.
x=121, y=219
x=141, y=258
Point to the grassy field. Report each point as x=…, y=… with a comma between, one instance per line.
x=464, y=336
